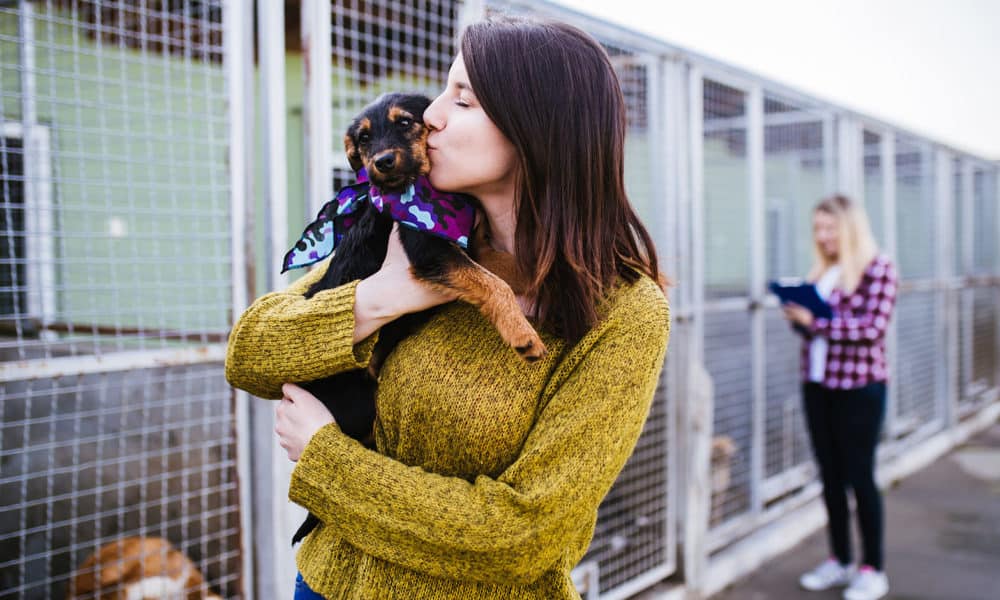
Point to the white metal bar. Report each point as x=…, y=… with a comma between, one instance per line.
x=238, y=64
x=800, y=116
x=829, y=154
x=37, y=164
x=271, y=53
x=317, y=114
x=49, y=368
x=968, y=219
x=696, y=411
x=637, y=584
x=888, y=162
x=996, y=270
x=758, y=283
x=697, y=208
x=672, y=86
x=269, y=465
x=946, y=404
x=787, y=480
x=850, y=162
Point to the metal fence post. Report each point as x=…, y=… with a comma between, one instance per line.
x=317, y=117
x=888, y=160
x=237, y=24
x=947, y=401
x=758, y=275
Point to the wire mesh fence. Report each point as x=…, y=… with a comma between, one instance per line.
x=116, y=282
x=114, y=286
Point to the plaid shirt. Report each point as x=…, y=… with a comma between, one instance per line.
x=856, y=333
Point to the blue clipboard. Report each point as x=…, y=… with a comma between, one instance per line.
x=803, y=294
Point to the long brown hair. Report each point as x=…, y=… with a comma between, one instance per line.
x=551, y=90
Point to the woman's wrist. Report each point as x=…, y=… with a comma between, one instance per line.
x=372, y=307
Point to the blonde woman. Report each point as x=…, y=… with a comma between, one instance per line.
x=844, y=388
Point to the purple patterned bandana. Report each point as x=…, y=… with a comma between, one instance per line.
x=420, y=207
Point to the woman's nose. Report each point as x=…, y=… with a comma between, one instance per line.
x=432, y=115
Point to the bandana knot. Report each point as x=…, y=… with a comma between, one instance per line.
x=419, y=206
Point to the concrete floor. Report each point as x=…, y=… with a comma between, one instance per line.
x=942, y=535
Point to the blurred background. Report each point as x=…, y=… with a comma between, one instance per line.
x=157, y=158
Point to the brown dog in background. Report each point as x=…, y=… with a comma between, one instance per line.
x=139, y=568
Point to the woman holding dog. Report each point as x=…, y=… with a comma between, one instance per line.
x=844, y=388
x=489, y=470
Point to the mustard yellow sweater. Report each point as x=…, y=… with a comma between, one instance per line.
x=489, y=470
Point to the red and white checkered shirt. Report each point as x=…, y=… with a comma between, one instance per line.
x=856, y=333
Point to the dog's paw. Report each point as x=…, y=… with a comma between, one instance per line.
x=530, y=348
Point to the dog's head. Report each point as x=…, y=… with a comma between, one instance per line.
x=389, y=139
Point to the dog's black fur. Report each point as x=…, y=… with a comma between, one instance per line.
x=389, y=138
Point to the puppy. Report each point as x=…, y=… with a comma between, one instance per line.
x=139, y=568
x=386, y=146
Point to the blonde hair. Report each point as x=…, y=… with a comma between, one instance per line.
x=857, y=244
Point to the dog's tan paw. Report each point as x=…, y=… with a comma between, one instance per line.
x=530, y=348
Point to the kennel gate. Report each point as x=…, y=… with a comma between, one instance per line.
x=121, y=170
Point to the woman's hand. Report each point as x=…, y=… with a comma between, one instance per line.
x=798, y=314
x=297, y=418
x=392, y=292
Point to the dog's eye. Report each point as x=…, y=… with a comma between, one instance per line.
x=364, y=137
x=404, y=123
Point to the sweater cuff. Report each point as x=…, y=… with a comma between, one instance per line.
x=340, y=302
x=318, y=467
x=284, y=337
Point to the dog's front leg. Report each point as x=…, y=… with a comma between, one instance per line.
x=443, y=264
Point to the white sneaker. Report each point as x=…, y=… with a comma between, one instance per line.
x=829, y=574
x=868, y=584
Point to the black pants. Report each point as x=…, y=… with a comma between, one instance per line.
x=844, y=426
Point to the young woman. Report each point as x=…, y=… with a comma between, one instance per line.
x=489, y=470
x=844, y=374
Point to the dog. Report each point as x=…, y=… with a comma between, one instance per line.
x=387, y=144
x=724, y=451
x=139, y=568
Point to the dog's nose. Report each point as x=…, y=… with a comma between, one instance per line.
x=386, y=162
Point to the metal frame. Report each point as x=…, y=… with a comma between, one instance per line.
x=680, y=128
x=38, y=210
x=676, y=130
x=239, y=75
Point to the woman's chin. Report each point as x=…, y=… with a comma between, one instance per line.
x=441, y=184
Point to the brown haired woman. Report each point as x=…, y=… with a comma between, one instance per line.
x=489, y=470
x=844, y=388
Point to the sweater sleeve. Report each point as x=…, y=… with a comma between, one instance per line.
x=285, y=337
x=514, y=527
x=874, y=306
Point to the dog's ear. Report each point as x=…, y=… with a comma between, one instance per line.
x=417, y=104
x=353, y=154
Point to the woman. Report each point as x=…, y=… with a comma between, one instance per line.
x=489, y=470
x=844, y=373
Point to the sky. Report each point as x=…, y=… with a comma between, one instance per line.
x=930, y=66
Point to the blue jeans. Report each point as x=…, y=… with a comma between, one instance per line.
x=303, y=591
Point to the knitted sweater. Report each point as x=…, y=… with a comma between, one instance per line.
x=489, y=470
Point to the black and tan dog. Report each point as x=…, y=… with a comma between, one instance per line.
x=388, y=139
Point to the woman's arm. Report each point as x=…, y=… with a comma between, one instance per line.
x=285, y=337
x=512, y=528
x=878, y=299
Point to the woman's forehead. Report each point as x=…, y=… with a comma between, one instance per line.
x=458, y=76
